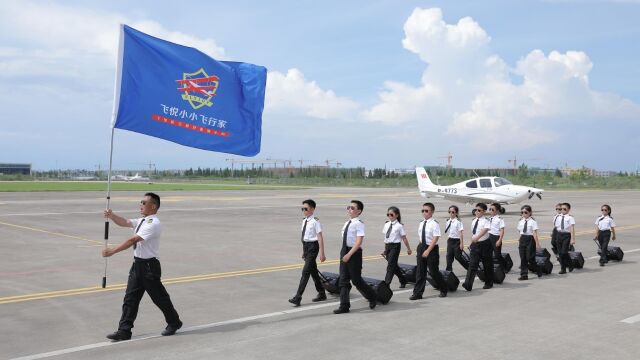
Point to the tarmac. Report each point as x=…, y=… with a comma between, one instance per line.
x=231, y=259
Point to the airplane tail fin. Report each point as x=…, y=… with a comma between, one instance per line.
x=424, y=182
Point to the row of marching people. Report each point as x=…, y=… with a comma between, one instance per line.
x=487, y=234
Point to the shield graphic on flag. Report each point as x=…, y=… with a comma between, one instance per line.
x=198, y=88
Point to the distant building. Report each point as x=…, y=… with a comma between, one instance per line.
x=15, y=169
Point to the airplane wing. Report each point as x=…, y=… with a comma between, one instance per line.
x=465, y=199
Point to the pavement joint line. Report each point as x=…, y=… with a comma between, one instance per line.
x=49, y=232
x=191, y=329
x=212, y=276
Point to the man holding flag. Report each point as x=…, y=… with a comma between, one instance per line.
x=145, y=272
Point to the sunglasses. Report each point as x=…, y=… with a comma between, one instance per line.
x=426, y=210
x=492, y=209
x=604, y=210
x=304, y=209
x=452, y=212
x=565, y=209
x=391, y=214
x=143, y=202
x=524, y=212
x=351, y=207
x=481, y=210
x=558, y=209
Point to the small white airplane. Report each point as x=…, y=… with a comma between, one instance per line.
x=136, y=177
x=487, y=189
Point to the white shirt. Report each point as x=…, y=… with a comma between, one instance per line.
x=568, y=222
x=605, y=223
x=531, y=226
x=356, y=228
x=397, y=232
x=455, y=228
x=431, y=230
x=496, y=223
x=149, y=231
x=312, y=230
x=483, y=223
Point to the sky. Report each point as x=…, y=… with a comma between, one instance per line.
x=365, y=83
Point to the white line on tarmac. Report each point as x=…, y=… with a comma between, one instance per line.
x=190, y=329
x=631, y=320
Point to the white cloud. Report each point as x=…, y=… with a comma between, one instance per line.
x=292, y=94
x=468, y=88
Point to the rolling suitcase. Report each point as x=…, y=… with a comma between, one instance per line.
x=508, y=263
x=498, y=272
x=613, y=252
x=381, y=288
x=450, y=279
x=464, y=260
x=544, y=263
x=330, y=282
x=409, y=272
x=577, y=260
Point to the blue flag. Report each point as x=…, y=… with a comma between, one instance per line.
x=180, y=94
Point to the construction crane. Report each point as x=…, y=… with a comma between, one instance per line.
x=514, y=163
x=449, y=157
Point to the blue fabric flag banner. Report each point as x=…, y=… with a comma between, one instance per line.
x=180, y=94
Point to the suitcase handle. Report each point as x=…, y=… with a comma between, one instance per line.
x=597, y=244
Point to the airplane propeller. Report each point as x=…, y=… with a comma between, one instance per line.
x=531, y=194
x=539, y=196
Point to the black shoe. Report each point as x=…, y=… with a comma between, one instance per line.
x=601, y=264
x=171, y=329
x=487, y=286
x=466, y=287
x=296, y=301
x=523, y=277
x=403, y=285
x=415, y=297
x=570, y=268
x=539, y=273
x=320, y=297
x=563, y=271
x=119, y=336
x=443, y=294
x=341, y=310
x=372, y=304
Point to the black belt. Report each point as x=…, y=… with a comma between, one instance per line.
x=137, y=259
x=605, y=231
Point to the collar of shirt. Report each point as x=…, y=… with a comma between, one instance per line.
x=394, y=222
x=311, y=217
x=354, y=219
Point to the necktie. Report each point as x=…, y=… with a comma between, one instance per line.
x=448, y=226
x=524, y=229
x=475, y=226
x=389, y=230
x=304, y=228
x=424, y=235
x=135, y=245
x=562, y=223
x=344, y=234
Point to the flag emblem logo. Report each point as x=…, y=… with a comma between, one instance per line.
x=198, y=88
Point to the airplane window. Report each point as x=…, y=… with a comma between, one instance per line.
x=501, y=181
x=485, y=183
x=472, y=184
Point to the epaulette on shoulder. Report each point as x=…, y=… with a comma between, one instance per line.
x=436, y=221
x=316, y=218
x=386, y=221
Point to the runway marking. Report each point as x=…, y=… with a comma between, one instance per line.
x=50, y=232
x=631, y=320
x=192, y=329
x=213, y=276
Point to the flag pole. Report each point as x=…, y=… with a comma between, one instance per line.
x=114, y=115
x=106, y=222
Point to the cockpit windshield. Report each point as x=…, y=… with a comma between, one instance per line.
x=501, y=181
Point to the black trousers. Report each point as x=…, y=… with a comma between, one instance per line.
x=351, y=271
x=497, y=250
x=430, y=263
x=563, y=241
x=310, y=251
x=145, y=276
x=527, y=250
x=392, y=252
x=480, y=251
x=453, y=252
x=603, y=238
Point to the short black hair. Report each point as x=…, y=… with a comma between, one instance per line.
x=310, y=202
x=482, y=206
x=568, y=205
x=430, y=206
x=359, y=204
x=155, y=198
